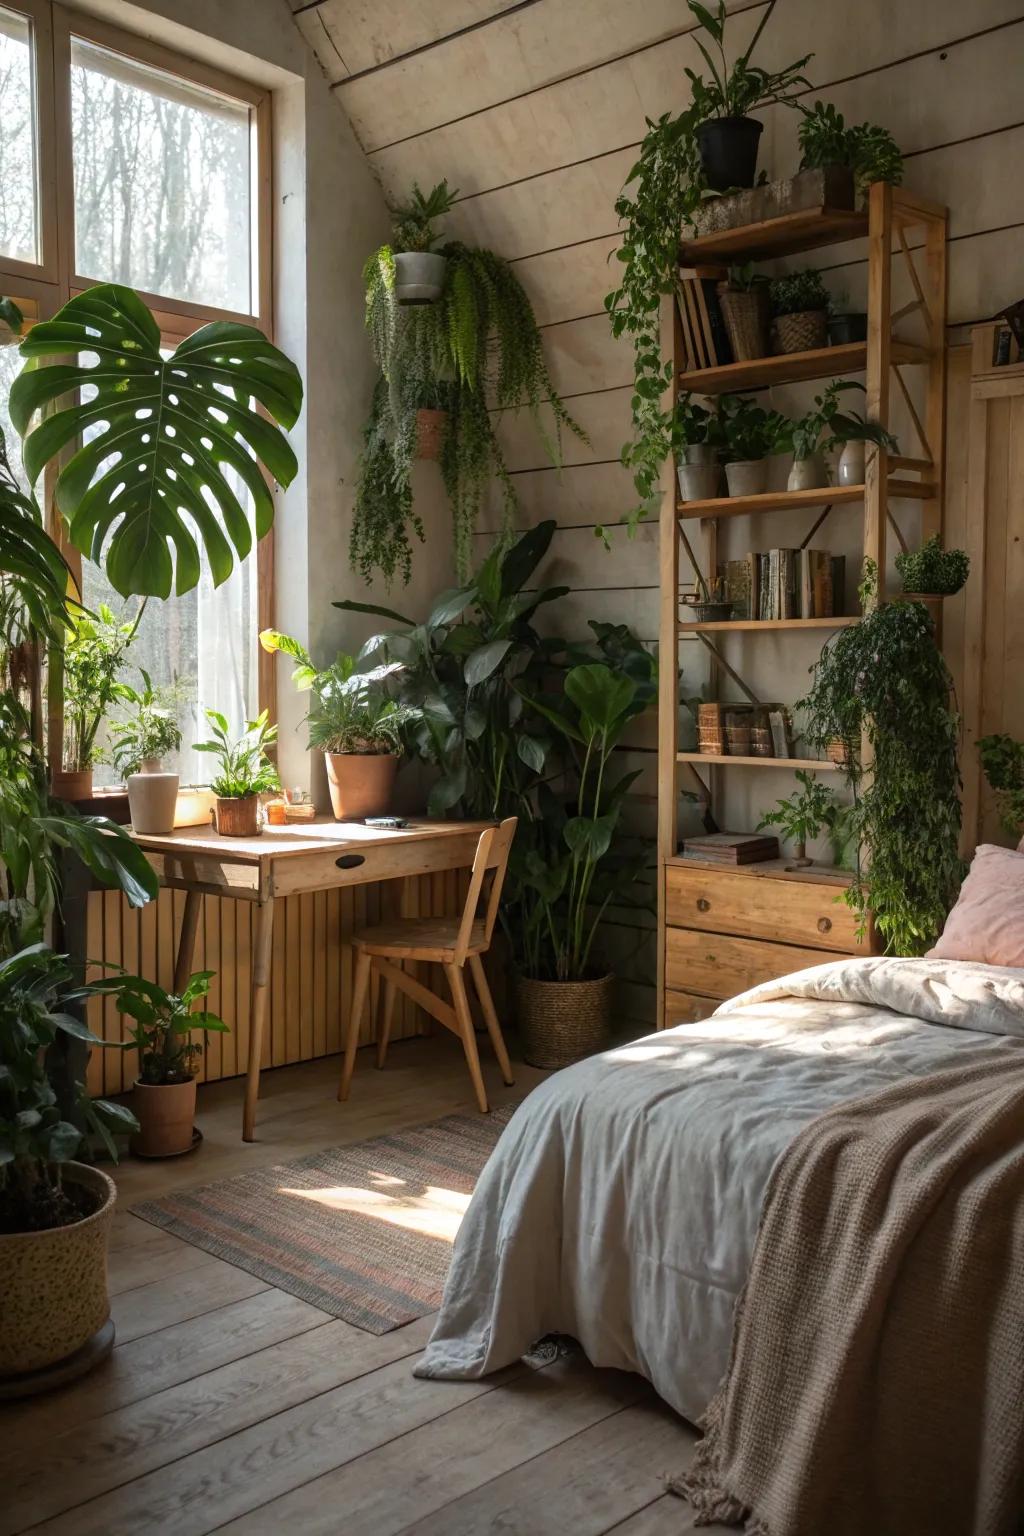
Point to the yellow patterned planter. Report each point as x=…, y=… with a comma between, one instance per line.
x=55, y=1283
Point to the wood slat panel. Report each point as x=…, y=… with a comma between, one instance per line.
x=349, y=35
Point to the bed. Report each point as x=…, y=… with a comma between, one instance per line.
x=621, y=1205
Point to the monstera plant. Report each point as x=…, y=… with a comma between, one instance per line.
x=164, y=438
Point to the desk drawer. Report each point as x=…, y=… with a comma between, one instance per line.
x=687, y=1008
x=756, y=906
x=720, y=965
x=355, y=865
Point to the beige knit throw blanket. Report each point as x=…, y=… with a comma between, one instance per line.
x=876, y=1383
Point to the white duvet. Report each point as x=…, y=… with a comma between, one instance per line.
x=622, y=1201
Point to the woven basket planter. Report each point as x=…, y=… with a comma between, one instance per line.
x=802, y=332
x=430, y=430
x=746, y=316
x=562, y=1021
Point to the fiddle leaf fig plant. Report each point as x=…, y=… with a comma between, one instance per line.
x=175, y=435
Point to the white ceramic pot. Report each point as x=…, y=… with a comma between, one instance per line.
x=152, y=799
x=419, y=276
x=698, y=482
x=807, y=474
x=747, y=477
x=851, y=464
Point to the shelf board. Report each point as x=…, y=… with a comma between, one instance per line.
x=787, y=235
x=791, y=367
x=781, y=501
x=715, y=625
x=726, y=760
x=768, y=869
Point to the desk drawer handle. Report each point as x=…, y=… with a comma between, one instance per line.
x=824, y=925
x=350, y=861
x=703, y=905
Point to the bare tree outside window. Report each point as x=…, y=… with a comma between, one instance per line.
x=19, y=234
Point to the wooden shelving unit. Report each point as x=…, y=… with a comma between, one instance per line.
x=762, y=930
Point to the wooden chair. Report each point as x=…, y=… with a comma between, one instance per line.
x=449, y=941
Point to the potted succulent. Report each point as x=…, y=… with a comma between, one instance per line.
x=869, y=152
x=932, y=569
x=700, y=441
x=164, y=1093
x=93, y=653
x=812, y=810
x=799, y=303
x=752, y=434
x=141, y=738
x=727, y=136
x=55, y=1213
x=744, y=301
x=245, y=773
x=354, y=723
x=419, y=270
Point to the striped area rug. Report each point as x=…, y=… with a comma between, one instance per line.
x=364, y=1232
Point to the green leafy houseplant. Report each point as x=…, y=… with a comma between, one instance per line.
x=736, y=90
x=932, y=568
x=178, y=432
x=350, y=712
x=796, y=292
x=147, y=730
x=869, y=151
x=245, y=768
x=751, y=432
x=414, y=222
x=886, y=677
x=825, y=426
x=811, y=810
x=93, y=655
x=37, y=1140
x=1002, y=763
x=163, y=1025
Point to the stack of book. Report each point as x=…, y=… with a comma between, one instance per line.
x=786, y=584
x=731, y=848
x=704, y=335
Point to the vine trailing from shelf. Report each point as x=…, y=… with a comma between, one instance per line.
x=886, y=678
x=477, y=347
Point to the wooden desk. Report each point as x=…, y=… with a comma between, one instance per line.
x=302, y=857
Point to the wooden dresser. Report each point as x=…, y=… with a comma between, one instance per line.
x=729, y=929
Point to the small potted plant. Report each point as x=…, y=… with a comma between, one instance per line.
x=354, y=723
x=55, y=1213
x=868, y=151
x=826, y=427
x=245, y=773
x=146, y=733
x=845, y=325
x=164, y=1094
x=813, y=809
x=799, y=303
x=752, y=434
x=933, y=570
x=727, y=136
x=851, y=434
x=93, y=654
x=419, y=269
x=700, y=436
x=744, y=301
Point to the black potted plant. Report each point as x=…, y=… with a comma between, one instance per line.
x=932, y=569
x=726, y=134
x=845, y=325
x=799, y=303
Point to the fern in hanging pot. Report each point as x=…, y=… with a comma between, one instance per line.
x=419, y=267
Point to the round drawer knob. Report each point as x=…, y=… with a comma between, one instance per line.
x=824, y=925
x=703, y=905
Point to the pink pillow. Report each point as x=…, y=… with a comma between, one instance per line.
x=987, y=923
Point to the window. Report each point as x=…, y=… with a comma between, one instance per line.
x=121, y=162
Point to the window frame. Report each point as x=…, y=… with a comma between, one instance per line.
x=40, y=289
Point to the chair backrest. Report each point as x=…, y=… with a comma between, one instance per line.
x=491, y=858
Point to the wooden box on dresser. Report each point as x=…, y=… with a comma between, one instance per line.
x=729, y=929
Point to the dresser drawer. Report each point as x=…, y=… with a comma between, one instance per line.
x=720, y=965
x=756, y=906
x=687, y=1008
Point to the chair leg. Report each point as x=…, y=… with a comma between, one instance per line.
x=359, y=991
x=465, y=1018
x=483, y=992
x=386, y=1012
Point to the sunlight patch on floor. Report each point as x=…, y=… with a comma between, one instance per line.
x=434, y=1213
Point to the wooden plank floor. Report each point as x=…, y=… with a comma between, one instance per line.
x=228, y=1405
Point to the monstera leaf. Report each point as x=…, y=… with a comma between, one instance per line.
x=165, y=438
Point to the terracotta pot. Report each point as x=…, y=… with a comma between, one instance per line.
x=67, y=785
x=807, y=474
x=430, y=430
x=562, y=1021
x=360, y=783
x=238, y=816
x=152, y=801
x=165, y=1112
x=419, y=276
x=55, y=1283
x=747, y=477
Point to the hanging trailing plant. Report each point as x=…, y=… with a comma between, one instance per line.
x=885, y=677
x=477, y=348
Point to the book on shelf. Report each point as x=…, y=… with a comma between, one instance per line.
x=731, y=848
x=785, y=584
x=704, y=335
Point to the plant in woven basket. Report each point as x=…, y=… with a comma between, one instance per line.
x=886, y=677
x=868, y=150
x=797, y=292
x=744, y=301
x=1002, y=763
x=804, y=815
x=932, y=568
